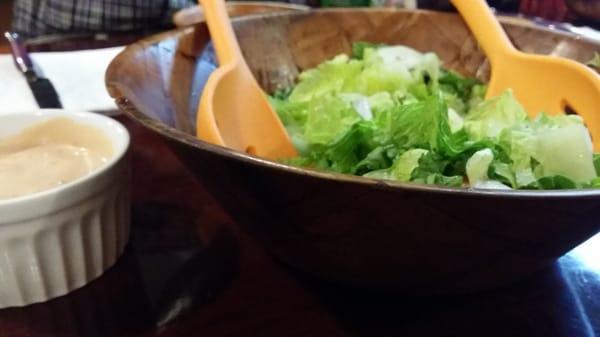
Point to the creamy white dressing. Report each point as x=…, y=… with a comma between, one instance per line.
x=50, y=154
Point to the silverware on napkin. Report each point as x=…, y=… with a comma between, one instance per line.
x=42, y=89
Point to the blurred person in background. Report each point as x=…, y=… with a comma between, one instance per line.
x=33, y=18
x=587, y=10
x=43, y=17
x=579, y=12
x=563, y=10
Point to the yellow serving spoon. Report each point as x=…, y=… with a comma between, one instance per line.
x=234, y=112
x=540, y=83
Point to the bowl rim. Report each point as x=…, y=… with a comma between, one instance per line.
x=178, y=136
x=182, y=19
x=120, y=135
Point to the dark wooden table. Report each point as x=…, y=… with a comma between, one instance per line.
x=189, y=271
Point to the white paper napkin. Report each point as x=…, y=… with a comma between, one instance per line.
x=77, y=76
x=15, y=94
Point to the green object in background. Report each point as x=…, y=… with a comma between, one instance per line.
x=345, y=3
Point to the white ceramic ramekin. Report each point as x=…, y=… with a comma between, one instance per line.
x=60, y=239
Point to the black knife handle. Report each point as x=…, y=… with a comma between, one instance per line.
x=19, y=53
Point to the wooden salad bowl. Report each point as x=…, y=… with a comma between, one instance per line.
x=415, y=238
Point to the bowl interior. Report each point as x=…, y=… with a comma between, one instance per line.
x=162, y=77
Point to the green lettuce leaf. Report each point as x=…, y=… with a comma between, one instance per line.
x=358, y=48
x=331, y=77
x=491, y=117
x=294, y=116
x=379, y=159
x=432, y=170
x=422, y=124
x=595, y=61
x=556, y=183
x=477, y=168
x=406, y=164
x=565, y=151
x=597, y=163
x=346, y=152
x=551, y=146
x=328, y=118
x=392, y=112
x=454, y=83
x=402, y=168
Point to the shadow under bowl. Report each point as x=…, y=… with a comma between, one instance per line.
x=422, y=239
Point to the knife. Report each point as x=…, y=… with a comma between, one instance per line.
x=42, y=89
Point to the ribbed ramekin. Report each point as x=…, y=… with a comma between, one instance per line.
x=58, y=240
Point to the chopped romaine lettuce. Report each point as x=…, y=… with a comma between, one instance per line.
x=391, y=112
x=329, y=118
x=595, y=61
x=565, y=151
x=402, y=168
x=477, y=168
x=491, y=117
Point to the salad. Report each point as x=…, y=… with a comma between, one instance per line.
x=391, y=112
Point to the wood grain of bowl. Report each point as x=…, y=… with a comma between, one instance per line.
x=420, y=239
x=193, y=15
